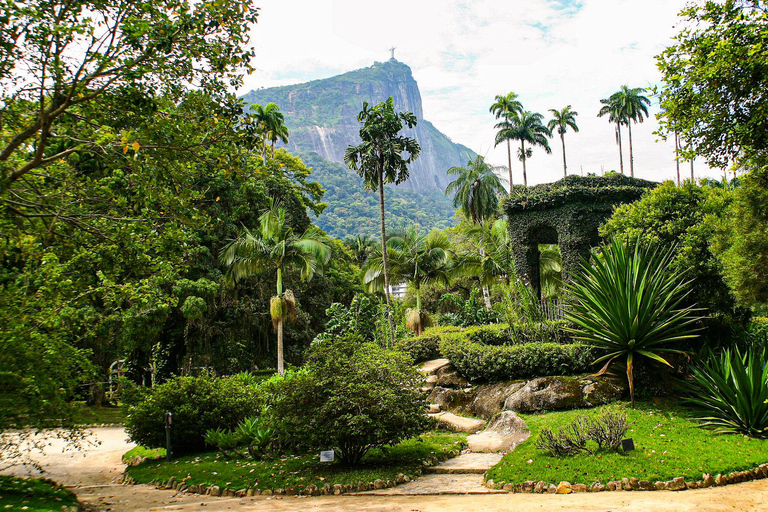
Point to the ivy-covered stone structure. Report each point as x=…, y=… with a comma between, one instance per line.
x=568, y=213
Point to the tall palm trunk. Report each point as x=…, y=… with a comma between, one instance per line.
x=565, y=167
x=384, y=258
x=280, y=365
x=631, y=157
x=677, y=157
x=525, y=175
x=273, y=148
x=621, y=154
x=486, y=293
x=509, y=161
x=692, y=169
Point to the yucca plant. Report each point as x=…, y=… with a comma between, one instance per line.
x=629, y=302
x=256, y=436
x=730, y=390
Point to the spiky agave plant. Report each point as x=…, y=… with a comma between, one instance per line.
x=730, y=390
x=629, y=302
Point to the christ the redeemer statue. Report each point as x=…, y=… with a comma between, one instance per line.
x=392, y=51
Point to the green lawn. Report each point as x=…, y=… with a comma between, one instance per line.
x=34, y=495
x=668, y=444
x=298, y=471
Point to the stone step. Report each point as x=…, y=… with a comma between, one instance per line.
x=431, y=367
x=459, y=423
x=467, y=463
x=433, y=408
x=432, y=380
x=434, y=484
x=494, y=442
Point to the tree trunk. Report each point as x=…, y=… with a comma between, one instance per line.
x=631, y=157
x=692, y=169
x=565, y=167
x=273, y=149
x=621, y=155
x=384, y=258
x=525, y=175
x=280, y=367
x=487, y=298
x=509, y=160
x=677, y=157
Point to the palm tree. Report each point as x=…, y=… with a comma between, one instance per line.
x=503, y=107
x=272, y=125
x=379, y=159
x=562, y=120
x=550, y=271
x=496, y=260
x=476, y=189
x=615, y=114
x=525, y=127
x=361, y=246
x=276, y=248
x=415, y=258
x=635, y=109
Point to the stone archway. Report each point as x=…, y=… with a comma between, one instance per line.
x=569, y=213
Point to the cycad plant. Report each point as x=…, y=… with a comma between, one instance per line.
x=731, y=391
x=629, y=302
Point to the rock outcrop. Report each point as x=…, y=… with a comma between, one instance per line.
x=322, y=117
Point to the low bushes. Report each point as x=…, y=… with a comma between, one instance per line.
x=198, y=404
x=426, y=346
x=481, y=362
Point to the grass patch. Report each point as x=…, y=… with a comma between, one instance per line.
x=92, y=415
x=144, y=453
x=34, y=495
x=298, y=471
x=668, y=444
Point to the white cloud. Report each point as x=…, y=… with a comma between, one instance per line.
x=551, y=53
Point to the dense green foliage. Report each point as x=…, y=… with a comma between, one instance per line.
x=629, y=303
x=353, y=210
x=383, y=463
x=668, y=444
x=425, y=346
x=35, y=495
x=743, y=240
x=197, y=404
x=717, y=107
x=686, y=218
x=350, y=396
x=730, y=391
x=497, y=352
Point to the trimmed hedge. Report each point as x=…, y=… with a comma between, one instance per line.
x=427, y=346
x=520, y=333
x=489, y=363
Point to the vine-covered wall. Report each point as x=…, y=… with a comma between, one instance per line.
x=568, y=213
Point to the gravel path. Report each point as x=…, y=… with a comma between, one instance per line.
x=90, y=475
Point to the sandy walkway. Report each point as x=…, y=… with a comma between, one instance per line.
x=90, y=474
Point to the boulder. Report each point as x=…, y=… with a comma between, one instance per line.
x=601, y=390
x=546, y=393
x=488, y=399
x=448, y=377
x=451, y=399
x=502, y=435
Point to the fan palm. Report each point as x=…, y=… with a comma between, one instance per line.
x=495, y=262
x=503, y=107
x=613, y=110
x=415, y=258
x=476, y=189
x=380, y=159
x=562, y=120
x=525, y=127
x=274, y=247
x=629, y=302
x=635, y=108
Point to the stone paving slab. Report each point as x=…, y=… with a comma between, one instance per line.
x=459, y=423
x=430, y=367
x=493, y=442
x=467, y=463
x=438, y=484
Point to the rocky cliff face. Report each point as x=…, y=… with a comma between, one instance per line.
x=322, y=117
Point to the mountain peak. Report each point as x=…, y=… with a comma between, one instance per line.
x=321, y=116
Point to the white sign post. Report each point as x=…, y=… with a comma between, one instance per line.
x=326, y=456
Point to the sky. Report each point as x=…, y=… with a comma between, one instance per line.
x=552, y=53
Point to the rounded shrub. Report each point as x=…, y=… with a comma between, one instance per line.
x=197, y=404
x=350, y=396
